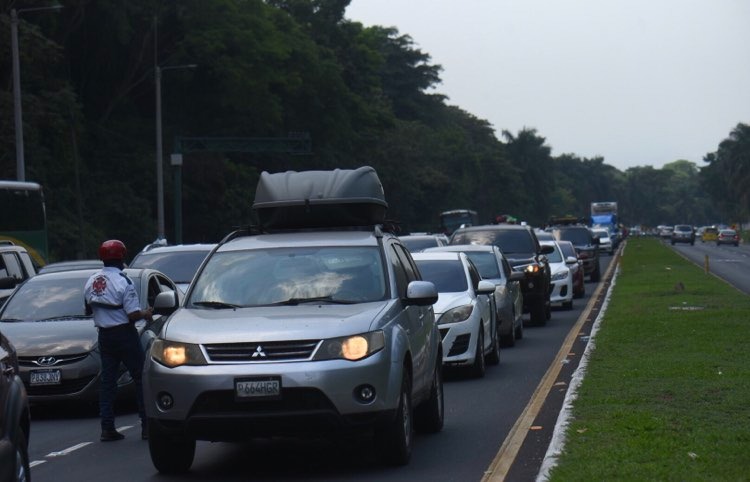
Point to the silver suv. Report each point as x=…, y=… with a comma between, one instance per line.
x=295, y=332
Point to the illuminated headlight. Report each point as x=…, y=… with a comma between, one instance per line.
x=173, y=354
x=454, y=315
x=560, y=275
x=532, y=269
x=351, y=348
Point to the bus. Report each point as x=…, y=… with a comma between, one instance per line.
x=456, y=218
x=23, y=218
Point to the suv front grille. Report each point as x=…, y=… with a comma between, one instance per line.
x=261, y=352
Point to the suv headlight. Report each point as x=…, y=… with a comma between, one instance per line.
x=351, y=348
x=532, y=269
x=454, y=315
x=173, y=354
x=560, y=275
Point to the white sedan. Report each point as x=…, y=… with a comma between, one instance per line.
x=561, y=277
x=464, y=312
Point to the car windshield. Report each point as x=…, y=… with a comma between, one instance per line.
x=418, y=244
x=447, y=275
x=263, y=277
x=180, y=266
x=486, y=263
x=683, y=228
x=49, y=299
x=575, y=236
x=510, y=242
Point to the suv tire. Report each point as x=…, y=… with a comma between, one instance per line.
x=395, y=438
x=430, y=416
x=493, y=358
x=478, y=368
x=170, y=454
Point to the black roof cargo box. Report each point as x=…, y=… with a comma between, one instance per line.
x=320, y=199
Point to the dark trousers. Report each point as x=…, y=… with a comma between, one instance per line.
x=119, y=345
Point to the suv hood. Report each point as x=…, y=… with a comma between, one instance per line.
x=300, y=322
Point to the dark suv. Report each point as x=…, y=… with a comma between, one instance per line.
x=521, y=247
x=587, y=247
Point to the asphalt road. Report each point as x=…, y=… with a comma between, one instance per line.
x=480, y=415
x=730, y=263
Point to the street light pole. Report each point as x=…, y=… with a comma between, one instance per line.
x=159, y=149
x=17, y=112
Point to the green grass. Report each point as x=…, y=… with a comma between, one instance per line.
x=667, y=391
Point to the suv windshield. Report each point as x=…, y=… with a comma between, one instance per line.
x=290, y=275
x=510, y=242
x=578, y=236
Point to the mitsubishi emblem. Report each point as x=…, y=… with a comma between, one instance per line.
x=258, y=352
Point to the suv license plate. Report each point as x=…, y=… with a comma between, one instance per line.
x=260, y=387
x=44, y=377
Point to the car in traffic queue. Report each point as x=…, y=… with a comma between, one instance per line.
x=709, y=234
x=683, y=233
x=521, y=247
x=71, y=265
x=15, y=417
x=561, y=279
x=579, y=284
x=464, y=311
x=16, y=266
x=56, y=340
x=605, y=240
x=587, y=247
x=179, y=262
x=316, y=321
x=508, y=298
x=728, y=236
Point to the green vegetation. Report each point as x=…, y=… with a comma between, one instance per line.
x=268, y=68
x=667, y=388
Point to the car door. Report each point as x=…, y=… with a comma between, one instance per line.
x=485, y=303
x=420, y=326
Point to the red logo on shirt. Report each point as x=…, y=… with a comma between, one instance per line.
x=99, y=286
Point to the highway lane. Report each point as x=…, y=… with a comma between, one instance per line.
x=479, y=415
x=730, y=263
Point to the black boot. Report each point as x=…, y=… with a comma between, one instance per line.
x=110, y=435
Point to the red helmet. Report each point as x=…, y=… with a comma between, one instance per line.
x=112, y=249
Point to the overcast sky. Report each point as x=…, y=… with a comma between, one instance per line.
x=637, y=82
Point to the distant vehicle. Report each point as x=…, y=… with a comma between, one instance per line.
x=180, y=262
x=683, y=233
x=604, y=215
x=587, y=247
x=15, y=419
x=457, y=218
x=23, y=218
x=561, y=279
x=665, y=232
x=579, y=285
x=57, y=342
x=16, y=267
x=464, y=310
x=605, y=241
x=728, y=236
x=710, y=233
x=419, y=242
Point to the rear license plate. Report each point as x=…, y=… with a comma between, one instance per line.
x=257, y=387
x=44, y=377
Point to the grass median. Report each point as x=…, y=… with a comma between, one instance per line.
x=666, y=395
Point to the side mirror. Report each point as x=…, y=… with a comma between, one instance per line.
x=485, y=287
x=8, y=282
x=422, y=293
x=547, y=249
x=166, y=303
x=571, y=260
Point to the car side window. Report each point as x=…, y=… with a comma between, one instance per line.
x=506, y=268
x=474, y=275
x=28, y=264
x=12, y=266
x=398, y=269
x=412, y=272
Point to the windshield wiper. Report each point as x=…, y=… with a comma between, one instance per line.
x=66, y=317
x=215, y=304
x=314, y=299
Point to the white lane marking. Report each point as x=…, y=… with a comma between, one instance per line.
x=36, y=462
x=68, y=450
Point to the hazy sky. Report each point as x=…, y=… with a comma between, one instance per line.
x=638, y=82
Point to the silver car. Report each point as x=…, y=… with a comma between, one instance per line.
x=494, y=267
x=57, y=342
x=292, y=334
x=180, y=262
